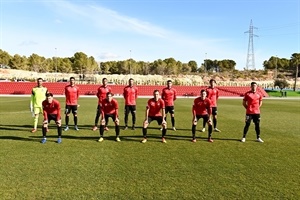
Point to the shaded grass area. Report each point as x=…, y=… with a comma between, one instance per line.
x=81, y=168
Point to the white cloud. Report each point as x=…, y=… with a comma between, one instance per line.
x=108, y=56
x=58, y=21
x=28, y=43
x=106, y=19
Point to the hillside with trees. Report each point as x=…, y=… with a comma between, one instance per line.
x=80, y=63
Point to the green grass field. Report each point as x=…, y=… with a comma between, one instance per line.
x=289, y=93
x=82, y=168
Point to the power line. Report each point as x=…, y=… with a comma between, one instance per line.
x=280, y=34
x=282, y=26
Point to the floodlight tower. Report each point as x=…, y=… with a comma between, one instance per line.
x=250, y=64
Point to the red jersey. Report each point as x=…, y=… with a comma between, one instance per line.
x=169, y=96
x=155, y=107
x=101, y=94
x=130, y=95
x=201, y=106
x=213, y=95
x=51, y=108
x=109, y=107
x=72, y=95
x=253, y=100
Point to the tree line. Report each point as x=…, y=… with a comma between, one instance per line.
x=81, y=63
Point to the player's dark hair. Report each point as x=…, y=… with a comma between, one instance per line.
x=212, y=80
x=104, y=79
x=49, y=95
x=39, y=79
x=169, y=81
x=202, y=91
x=155, y=91
x=72, y=78
x=109, y=93
x=253, y=83
x=130, y=79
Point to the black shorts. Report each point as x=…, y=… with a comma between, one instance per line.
x=129, y=108
x=113, y=116
x=205, y=118
x=70, y=108
x=159, y=119
x=169, y=109
x=254, y=117
x=214, y=110
x=52, y=117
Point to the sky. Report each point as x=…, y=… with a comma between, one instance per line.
x=148, y=30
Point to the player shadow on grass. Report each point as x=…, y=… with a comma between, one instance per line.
x=15, y=127
x=10, y=137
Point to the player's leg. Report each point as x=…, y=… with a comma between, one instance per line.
x=59, y=128
x=74, y=112
x=102, y=125
x=44, y=131
x=256, y=120
x=215, y=121
x=117, y=127
x=126, y=113
x=210, y=127
x=67, y=117
x=133, y=114
x=98, y=113
x=194, y=125
x=145, y=126
x=166, y=112
x=37, y=111
x=203, y=126
x=172, y=113
x=246, y=127
x=164, y=128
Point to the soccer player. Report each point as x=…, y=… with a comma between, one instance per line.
x=109, y=109
x=213, y=95
x=101, y=94
x=155, y=110
x=72, y=95
x=51, y=111
x=252, y=102
x=169, y=96
x=38, y=95
x=202, y=109
x=130, y=95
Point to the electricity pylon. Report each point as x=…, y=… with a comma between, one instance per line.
x=250, y=64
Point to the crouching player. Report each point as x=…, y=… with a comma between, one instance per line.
x=109, y=109
x=202, y=109
x=51, y=111
x=155, y=110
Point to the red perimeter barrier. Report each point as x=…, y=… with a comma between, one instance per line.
x=143, y=90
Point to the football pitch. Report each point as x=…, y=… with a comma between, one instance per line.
x=82, y=168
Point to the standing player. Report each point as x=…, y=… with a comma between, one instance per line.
x=109, y=109
x=51, y=111
x=101, y=94
x=252, y=102
x=169, y=96
x=72, y=95
x=155, y=110
x=130, y=95
x=213, y=95
x=38, y=95
x=202, y=109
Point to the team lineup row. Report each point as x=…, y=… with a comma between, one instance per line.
x=204, y=107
